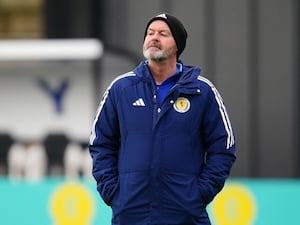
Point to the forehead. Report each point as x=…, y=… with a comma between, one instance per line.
x=159, y=25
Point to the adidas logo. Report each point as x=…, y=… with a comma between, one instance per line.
x=139, y=102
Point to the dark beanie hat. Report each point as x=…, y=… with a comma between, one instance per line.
x=177, y=29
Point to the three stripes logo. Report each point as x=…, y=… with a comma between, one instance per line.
x=139, y=102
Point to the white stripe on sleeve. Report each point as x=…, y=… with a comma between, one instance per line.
x=223, y=112
x=100, y=107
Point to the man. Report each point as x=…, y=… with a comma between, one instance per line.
x=162, y=144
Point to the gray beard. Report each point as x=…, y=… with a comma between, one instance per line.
x=156, y=57
x=160, y=55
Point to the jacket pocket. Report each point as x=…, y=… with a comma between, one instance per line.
x=182, y=195
x=132, y=195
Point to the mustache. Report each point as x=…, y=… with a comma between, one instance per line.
x=154, y=44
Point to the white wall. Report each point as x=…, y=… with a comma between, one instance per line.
x=28, y=111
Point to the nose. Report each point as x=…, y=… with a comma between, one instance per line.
x=155, y=36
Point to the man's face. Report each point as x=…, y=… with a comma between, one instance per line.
x=159, y=43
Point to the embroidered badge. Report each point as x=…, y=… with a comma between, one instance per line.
x=182, y=105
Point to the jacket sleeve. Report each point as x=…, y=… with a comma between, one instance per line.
x=220, y=146
x=104, y=145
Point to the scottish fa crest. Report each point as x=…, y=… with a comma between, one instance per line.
x=182, y=105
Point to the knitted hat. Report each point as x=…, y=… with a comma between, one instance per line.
x=177, y=29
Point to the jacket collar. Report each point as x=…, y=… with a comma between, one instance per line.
x=188, y=74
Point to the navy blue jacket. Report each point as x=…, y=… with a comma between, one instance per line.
x=161, y=165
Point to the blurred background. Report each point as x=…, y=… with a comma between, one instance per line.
x=248, y=48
